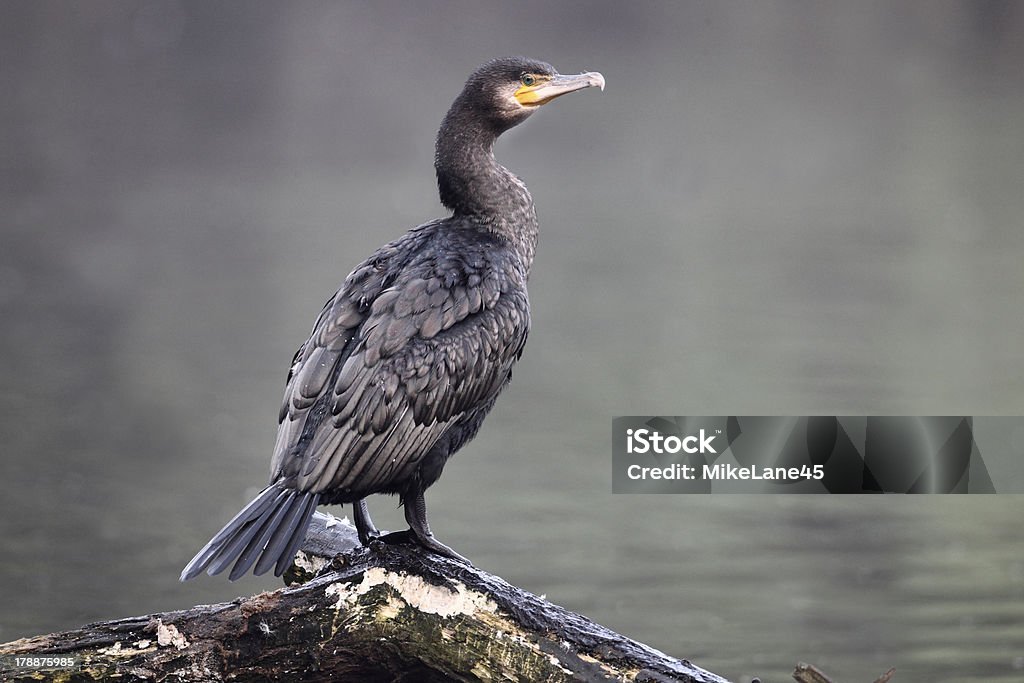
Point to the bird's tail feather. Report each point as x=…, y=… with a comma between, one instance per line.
x=269, y=529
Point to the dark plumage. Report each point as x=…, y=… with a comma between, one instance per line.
x=408, y=357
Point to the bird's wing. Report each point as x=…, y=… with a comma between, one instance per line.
x=332, y=341
x=372, y=391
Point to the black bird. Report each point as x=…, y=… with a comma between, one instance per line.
x=408, y=357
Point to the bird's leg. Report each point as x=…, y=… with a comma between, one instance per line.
x=364, y=525
x=416, y=515
x=419, y=530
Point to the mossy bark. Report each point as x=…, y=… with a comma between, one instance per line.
x=385, y=613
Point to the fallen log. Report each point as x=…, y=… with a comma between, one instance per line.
x=385, y=613
x=808, y=673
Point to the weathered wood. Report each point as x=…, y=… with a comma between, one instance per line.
x=370, y=614
x=808, y=673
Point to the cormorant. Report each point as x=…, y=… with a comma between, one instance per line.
x=408, y=357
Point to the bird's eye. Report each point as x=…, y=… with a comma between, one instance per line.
x=528, y=79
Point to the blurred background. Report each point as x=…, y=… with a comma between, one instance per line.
x=774, y=208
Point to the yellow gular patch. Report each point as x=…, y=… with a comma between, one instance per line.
x=529, y=94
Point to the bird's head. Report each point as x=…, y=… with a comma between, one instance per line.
x=505, y=91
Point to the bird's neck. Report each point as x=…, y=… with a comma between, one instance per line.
x=474, y=186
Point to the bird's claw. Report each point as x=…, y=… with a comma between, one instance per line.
x=371, y=536
x=408, y=537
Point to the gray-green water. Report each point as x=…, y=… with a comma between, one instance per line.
x=774, y=208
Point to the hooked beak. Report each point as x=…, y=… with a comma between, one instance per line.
x=556, y=86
